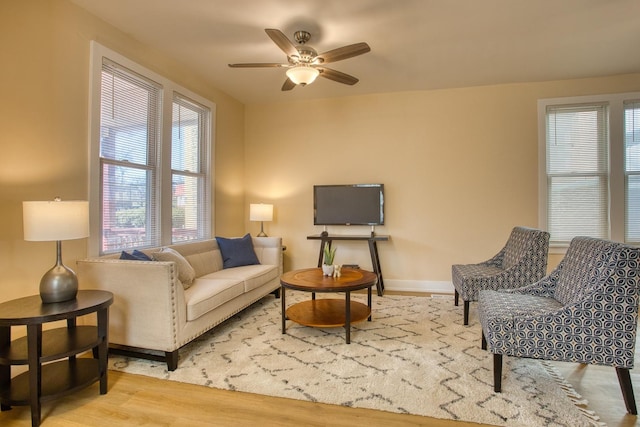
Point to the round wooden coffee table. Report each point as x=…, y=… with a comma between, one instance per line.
x=327, y=313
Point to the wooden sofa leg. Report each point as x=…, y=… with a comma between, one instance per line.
x=627, y=390
x=456, y=297
x=484, y=341
x=466, y=313
x=276, y=293
x=172, y=359
x=497, y=373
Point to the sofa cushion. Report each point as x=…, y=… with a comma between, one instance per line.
x=205, y=262
x=186, y=273
x=252, y=276
x=237, y=252
x=207, y=293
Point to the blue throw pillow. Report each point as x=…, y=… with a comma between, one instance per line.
x=237, y=252
x=136, y=255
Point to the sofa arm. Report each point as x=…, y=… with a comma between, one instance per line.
x=269, y=250
x=148, y=300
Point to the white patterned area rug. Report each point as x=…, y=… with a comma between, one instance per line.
x=414, y=357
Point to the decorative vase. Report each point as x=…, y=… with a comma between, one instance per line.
x=327, y=270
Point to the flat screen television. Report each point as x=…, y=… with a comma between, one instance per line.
x=355, y=204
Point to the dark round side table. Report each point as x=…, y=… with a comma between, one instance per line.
x=46, y=381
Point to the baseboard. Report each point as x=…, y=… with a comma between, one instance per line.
x=430, y=286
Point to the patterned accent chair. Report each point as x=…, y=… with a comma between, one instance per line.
x=584, y=311
x=522, y=261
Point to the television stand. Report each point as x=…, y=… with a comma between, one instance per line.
x=372, y=240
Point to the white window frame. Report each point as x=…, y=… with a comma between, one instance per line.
x=615, y=103
x=98, y=52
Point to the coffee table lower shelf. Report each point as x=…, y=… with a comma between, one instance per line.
x=327, y=313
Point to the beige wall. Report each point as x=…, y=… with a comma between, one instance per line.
x=44, y=46
x=459, y=168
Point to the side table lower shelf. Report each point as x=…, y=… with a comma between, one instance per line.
x=58, y=379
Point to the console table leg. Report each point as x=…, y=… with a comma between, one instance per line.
x=321, y=256
x=375, y=263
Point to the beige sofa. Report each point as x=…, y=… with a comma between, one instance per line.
x=154, y=313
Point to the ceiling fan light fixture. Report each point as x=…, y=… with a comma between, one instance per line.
x=302, y=74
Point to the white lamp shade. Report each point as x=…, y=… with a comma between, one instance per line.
x=260, y=212
x=55, y=220
x=302, y=74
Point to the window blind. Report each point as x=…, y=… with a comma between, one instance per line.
x=577, y=171
x=190, y=209
x=129, y=140
x=632, y=170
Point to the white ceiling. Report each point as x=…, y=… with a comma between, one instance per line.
x=415, y=44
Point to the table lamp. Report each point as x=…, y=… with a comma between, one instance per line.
x=261, y=212
x=56, y=221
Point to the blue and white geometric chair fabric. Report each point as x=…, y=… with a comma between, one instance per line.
x=522, y=261
x=584, y=311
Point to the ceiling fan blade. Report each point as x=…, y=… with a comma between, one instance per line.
x=257, y=65
x=288, y=85
x=282, y=41
x=344, y=52
x=337, y=76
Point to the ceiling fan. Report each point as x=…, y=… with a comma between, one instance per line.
x=304, y=63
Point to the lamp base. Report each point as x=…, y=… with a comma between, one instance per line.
x=261, y=233
x=58, y=284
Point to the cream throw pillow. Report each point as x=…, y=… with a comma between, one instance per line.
x=186, y=273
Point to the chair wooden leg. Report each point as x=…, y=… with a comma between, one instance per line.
x=627, y=390
x=484, y=341
x=456, y=297
x=497, y=373
x=466, y=312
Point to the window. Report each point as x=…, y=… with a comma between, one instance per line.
x=138, y=199
x=632, y=170
x=577, y=171
x=590, y=168
x=189, y=166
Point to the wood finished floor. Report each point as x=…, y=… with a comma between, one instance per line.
x=138, y=400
